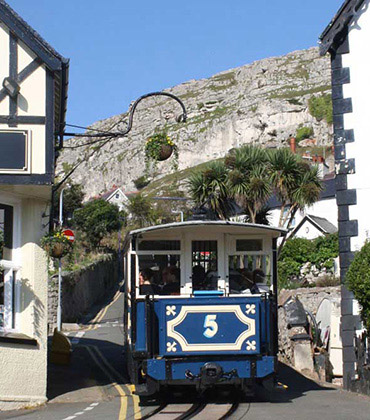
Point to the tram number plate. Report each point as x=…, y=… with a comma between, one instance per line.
x=212, y=328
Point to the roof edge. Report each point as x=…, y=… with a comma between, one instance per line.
x=208, y=222
x=338, y=24
x=31, y=38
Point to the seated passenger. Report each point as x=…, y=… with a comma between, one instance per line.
x=260, y=280
x=146, y=285
x=198, y=277
x=248, y=283
x=171, y=281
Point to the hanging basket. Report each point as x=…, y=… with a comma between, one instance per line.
x=165, y=152
x=57, y=249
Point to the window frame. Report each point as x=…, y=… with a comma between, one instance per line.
x=12, y=270
x=231, y=251
x=137, y=253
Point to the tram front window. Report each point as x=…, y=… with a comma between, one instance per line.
x=204, y=265
x=159, y=274
x=249, y=273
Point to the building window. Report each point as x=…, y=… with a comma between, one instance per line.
x=8, y=269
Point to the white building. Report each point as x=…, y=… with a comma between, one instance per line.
x=32, y=109
x=347, y=39
x=117, y=197
x=324, y=208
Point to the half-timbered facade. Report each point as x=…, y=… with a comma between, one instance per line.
x=33, y=88
x=347, y=39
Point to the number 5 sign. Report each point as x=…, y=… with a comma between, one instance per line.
x=211, y=326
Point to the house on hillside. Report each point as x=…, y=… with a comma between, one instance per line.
x=116, y=196
x=33, y=97
x=347, y=39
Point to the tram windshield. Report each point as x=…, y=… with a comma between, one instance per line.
x=249, y=273
x=204, y=265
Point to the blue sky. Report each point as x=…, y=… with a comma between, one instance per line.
x=120, y=50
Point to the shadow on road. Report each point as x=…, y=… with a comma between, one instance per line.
x=86, y=370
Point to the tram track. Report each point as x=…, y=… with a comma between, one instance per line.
x=196, y=411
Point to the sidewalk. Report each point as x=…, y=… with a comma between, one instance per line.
x=75, y=382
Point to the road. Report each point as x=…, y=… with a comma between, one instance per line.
x=94, y=387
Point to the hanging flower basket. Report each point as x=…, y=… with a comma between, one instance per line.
x=160, y=147
x=165, y=152
x=56, y=244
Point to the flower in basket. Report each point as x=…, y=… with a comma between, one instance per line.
x=160, y=147
x=56, y=244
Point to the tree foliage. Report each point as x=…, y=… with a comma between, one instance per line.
x=250, y=175
x=73, y=196
x=209, y=187
x=320, y=252
x=96, y=219
x=304, y=133
x=142, y=211
x=358, y=281
x=321, y=108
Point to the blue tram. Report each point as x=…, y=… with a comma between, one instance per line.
x=201, y=305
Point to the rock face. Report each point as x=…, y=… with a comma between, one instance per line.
x=260, y=103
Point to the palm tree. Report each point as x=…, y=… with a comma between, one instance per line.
x=285, y=174
x=248, y=179
x=296, y=183
x=209, y=187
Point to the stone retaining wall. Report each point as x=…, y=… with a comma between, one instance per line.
x=82, y=289
x=311, y=299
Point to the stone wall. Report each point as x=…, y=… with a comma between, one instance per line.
x=311, y=299
x=82, y=289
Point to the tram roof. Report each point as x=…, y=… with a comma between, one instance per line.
x=191, y=223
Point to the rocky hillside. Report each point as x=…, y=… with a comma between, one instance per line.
x=261, y=103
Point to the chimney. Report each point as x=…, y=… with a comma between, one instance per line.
x=293, y=145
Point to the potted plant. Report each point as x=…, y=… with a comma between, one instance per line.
x=56, y=244
x=160, y=147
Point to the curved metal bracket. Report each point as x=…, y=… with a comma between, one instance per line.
x=181, y=118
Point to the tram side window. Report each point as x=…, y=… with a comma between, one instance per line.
x=159, y=274
x=249, y=273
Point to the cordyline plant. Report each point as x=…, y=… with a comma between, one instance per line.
x=153, y=150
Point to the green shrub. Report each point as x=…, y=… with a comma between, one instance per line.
x=141, y=182
x=358, y=281
x=288, y=271
x=96, y=219
x=304, y=133
x=296, y=252
x=321, y=108
x=297, y=249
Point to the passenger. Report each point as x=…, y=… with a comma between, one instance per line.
x=260, y=280
x=248, y=282
x=146, y=285
x=198, y=277
x=171, y=281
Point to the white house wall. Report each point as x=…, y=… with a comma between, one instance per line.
x=308, y=231
x=31, y=100
x=24, y=367
x=4, y=65
x=323, y=208
x=358, y=60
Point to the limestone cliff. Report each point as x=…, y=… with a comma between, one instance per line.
x=260, y=103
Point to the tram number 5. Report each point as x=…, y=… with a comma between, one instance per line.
x=211, y=326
